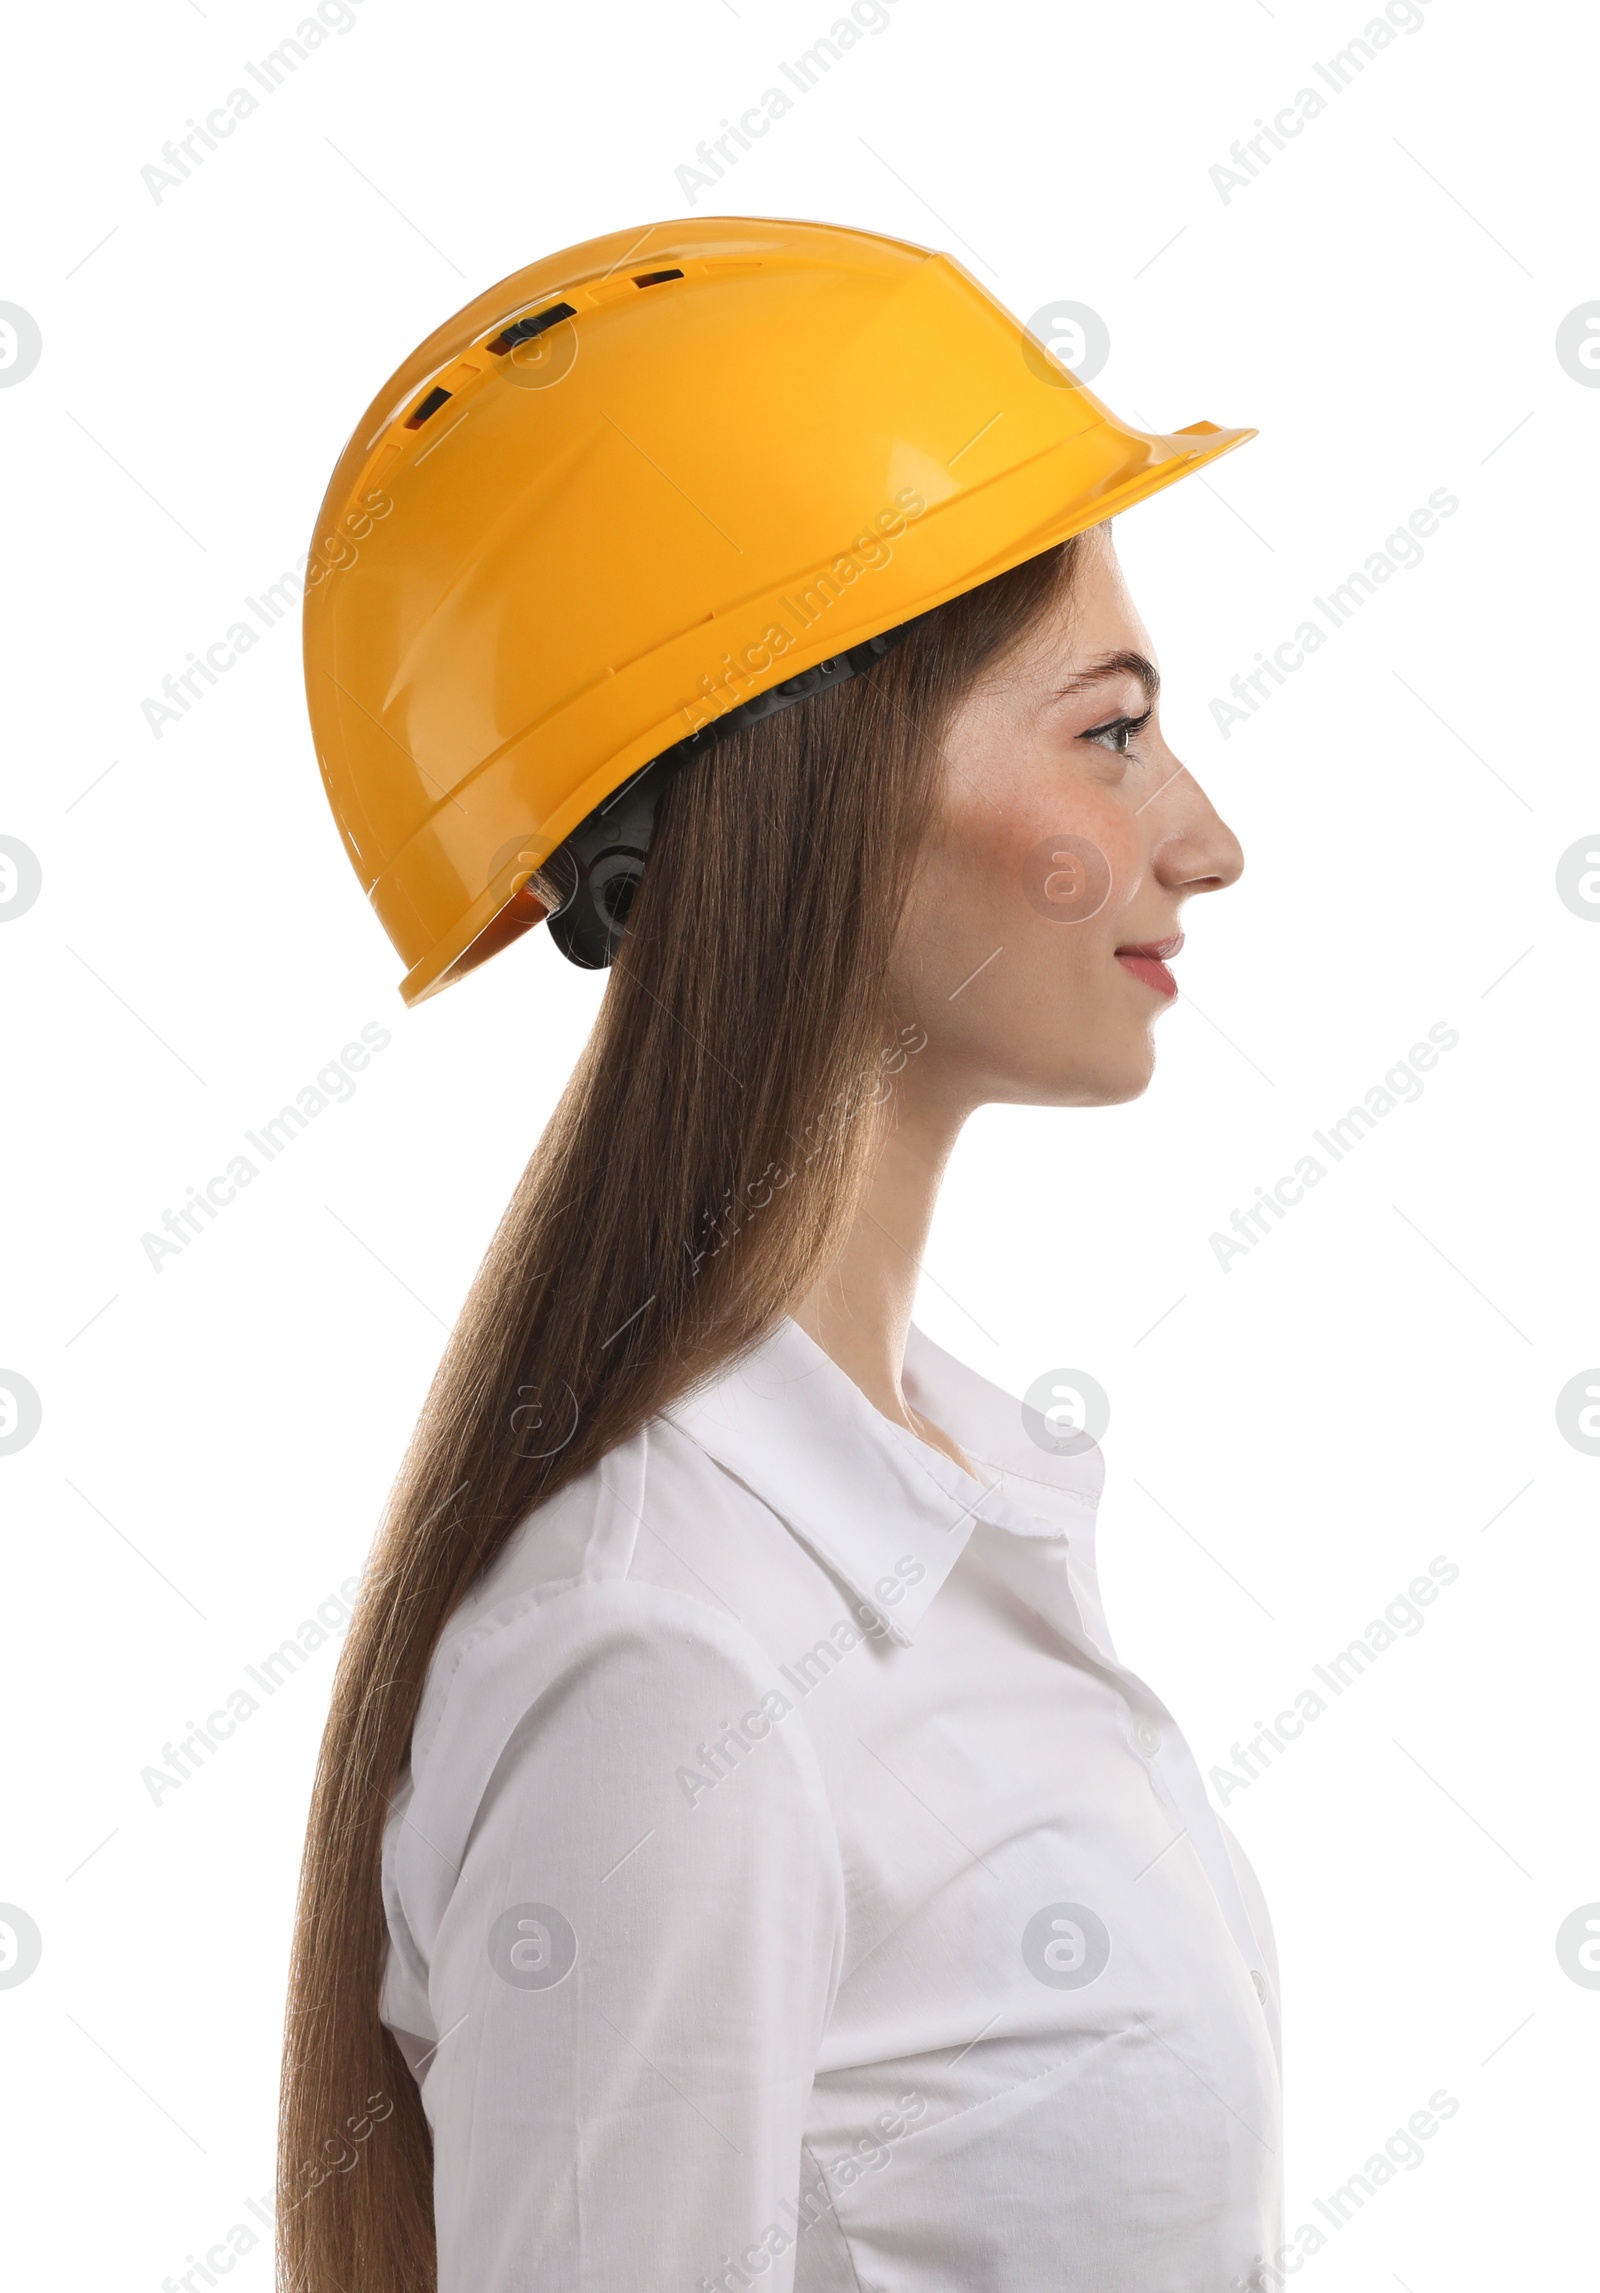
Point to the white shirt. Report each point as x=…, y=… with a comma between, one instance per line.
x=790, y=1887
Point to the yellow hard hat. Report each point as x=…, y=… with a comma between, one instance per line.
x=642, y=483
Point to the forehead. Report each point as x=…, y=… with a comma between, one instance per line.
x=1098, y=617
x=1087, y=643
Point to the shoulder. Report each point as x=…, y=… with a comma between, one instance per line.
x=600, y=1689
x=638, y=1579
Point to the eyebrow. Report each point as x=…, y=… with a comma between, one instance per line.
x=1115, y=665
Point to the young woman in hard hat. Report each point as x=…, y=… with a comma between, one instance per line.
x=738, y=1855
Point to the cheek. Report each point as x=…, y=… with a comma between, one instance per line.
x=1070, y=856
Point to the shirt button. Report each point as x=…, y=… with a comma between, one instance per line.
x=1260, y=1981
x=1147, y=1737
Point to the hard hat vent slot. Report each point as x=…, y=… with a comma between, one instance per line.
x=524, y=329
x=430, y=405
x=654, y=278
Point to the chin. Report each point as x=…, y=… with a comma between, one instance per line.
x=1118, y=1094
x=1111, y=1089
x=1111, y=1081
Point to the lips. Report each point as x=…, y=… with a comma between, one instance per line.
x=1147, y=960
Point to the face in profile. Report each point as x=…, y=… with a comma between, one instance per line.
x=1039, y=937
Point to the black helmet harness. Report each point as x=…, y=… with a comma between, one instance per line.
x=600, y=864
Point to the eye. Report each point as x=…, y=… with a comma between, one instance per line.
x=1119, y=733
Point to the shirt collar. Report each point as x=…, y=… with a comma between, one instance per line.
x=866, y=1495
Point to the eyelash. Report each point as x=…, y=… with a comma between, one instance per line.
x=1130, y=727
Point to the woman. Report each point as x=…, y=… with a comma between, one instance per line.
x=738, y=1856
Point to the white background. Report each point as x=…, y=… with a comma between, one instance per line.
x=1292, y=1440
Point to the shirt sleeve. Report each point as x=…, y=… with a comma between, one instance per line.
x=630, y=1965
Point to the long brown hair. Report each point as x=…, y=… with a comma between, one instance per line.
x=700, y=1170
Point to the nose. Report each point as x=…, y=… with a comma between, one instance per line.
x=1197, y=851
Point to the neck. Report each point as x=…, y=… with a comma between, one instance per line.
x=860, y=1310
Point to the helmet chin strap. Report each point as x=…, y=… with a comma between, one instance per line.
x=603, y=859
